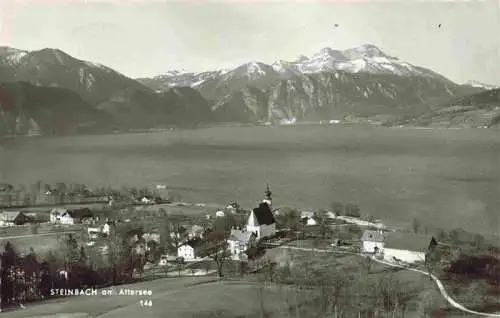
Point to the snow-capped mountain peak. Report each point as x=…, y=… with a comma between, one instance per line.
x=366, y=58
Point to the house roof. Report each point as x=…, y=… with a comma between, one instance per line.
x=405, y=241
x=306, y=214
x=80, y=213
x=194, y=242
x=240, y=236
x=10, y=216
x=372, y=236
x=61, y=211
x=263, y=214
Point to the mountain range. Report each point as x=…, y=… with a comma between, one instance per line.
x=50, y=92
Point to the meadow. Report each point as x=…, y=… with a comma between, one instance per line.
x=446, y=178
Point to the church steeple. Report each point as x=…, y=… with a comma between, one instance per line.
x=268, y=193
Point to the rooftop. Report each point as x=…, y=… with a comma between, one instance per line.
x=263, y=214
x=407, y=241
x=373, y=236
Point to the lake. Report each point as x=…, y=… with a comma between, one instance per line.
x=446, y=178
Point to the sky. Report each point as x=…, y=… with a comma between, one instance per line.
x=147, y=38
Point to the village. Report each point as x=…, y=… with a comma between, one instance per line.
x=263, y=226
x=167, y=238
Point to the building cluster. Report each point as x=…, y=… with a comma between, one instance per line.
x=260, y=224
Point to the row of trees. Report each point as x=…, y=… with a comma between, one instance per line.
x=60, y=193
x=30, y=277
x=457, y=237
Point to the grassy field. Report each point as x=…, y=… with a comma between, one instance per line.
x=423, y=292
x=175, y=297
x=40, y=243
x=447, y=178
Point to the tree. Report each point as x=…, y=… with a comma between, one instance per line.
x=82, y=255
x=337, y=208
x=216, y=243
x=322, y=221
x=288, y=218
x=352, y=210
x=70, y=251
x=367, y=263
x=61, y=189
x=441, y=235
x=415, y=225
x=432, y=256
x=165, y=235
x=34, y=227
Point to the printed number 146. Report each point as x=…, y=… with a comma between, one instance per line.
x=145, y=303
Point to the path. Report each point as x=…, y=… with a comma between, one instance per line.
x=438, y=282
x=33, y=235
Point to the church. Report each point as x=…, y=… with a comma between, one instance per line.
x=261, y=220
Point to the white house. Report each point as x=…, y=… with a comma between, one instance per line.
x=404, y=247
x=66, y=219
x=308, y=218
x=93, y=232
x=373, y=242
x=106, y=228
x=56, y=213
x=11, y=218
x=261, y=221
x=190, y=250
x=306, y=214
x=311, y=222
x=146, y=200
x=239, y=241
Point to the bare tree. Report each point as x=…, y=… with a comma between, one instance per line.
x=216, y=243
x=415, y=225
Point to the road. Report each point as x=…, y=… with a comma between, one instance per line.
x=438, y=282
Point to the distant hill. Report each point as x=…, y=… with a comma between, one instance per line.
x=475, y=110
x=26, y=109
x=358, y=83
x=118, y=102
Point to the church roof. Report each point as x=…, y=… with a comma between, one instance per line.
x=263, y=214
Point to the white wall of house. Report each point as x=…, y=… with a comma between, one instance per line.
x=66, y=219
x=311, y=221
x=105, y=229
x=404, y=255
x=187, y=252
x=254, y=229
x=369, y=246
x=236, y=249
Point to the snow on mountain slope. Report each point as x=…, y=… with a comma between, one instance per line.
x=364, y=59
x=53, y=67
x=481, y=85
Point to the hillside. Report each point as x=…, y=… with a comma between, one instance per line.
x=116, y=101
x=26, y=109
x=475, y=110
x=133, y=109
